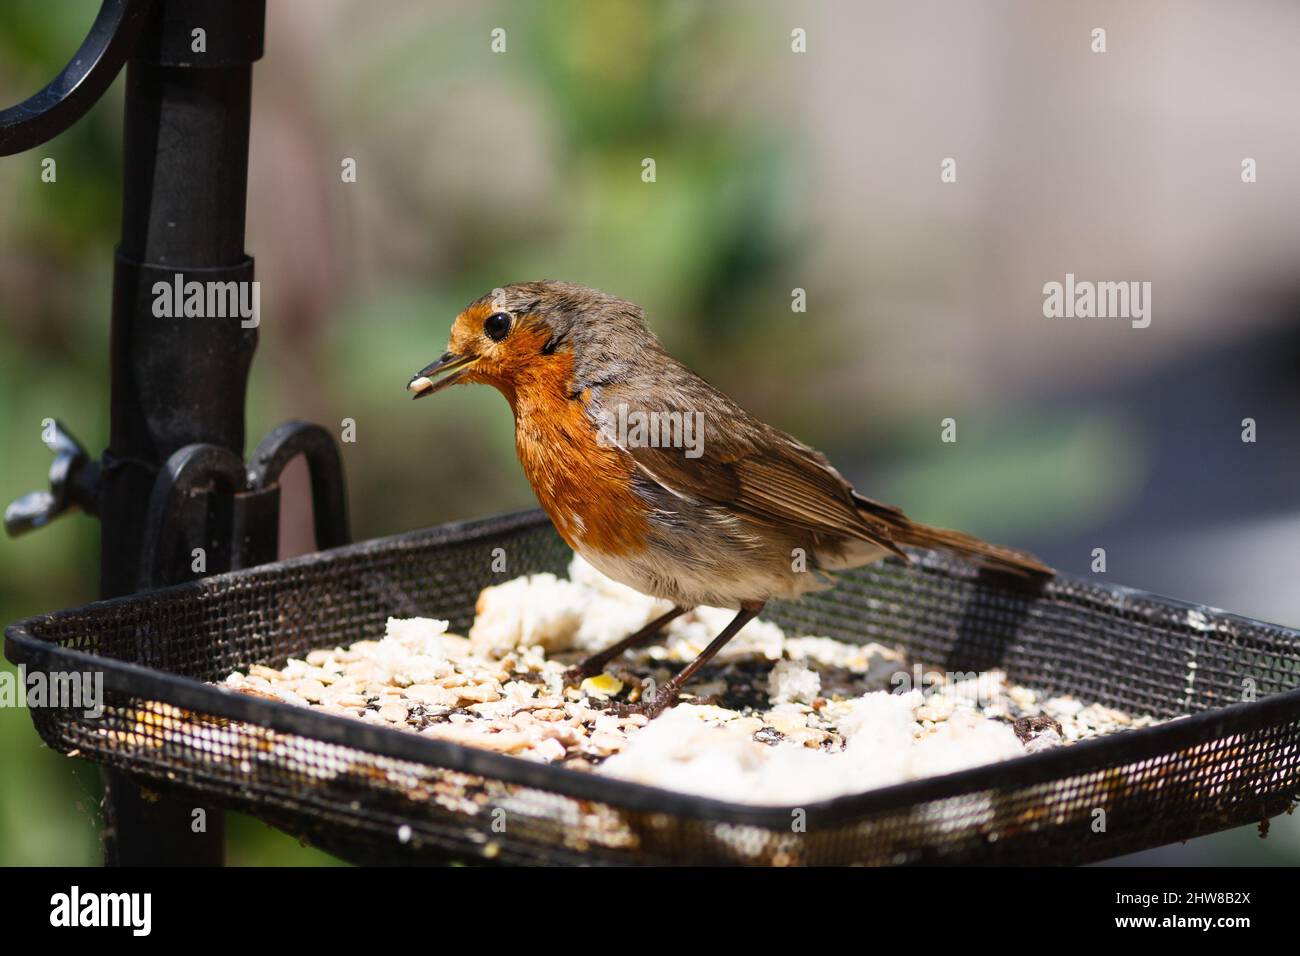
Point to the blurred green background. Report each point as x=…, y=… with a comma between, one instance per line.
x=775, y=171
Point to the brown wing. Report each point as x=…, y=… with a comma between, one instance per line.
x=771, y=478
x=754, y=470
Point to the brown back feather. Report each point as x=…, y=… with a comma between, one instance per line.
x=772, y=479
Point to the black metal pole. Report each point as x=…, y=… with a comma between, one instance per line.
x=176, y=381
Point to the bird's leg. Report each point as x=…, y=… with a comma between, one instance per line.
x=595, y=664
x=667, y=694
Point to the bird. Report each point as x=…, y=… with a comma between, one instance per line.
x=660, y=480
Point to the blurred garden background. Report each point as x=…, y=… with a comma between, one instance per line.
x=775, y=170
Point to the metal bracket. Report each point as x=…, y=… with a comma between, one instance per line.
x=253, y=494
x=190, y=471
x=81, y=83
x=324, y=464
x=74, y=483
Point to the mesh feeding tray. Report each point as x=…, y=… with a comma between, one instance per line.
x=375, y=794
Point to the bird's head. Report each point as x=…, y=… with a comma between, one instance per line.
x=532, y=332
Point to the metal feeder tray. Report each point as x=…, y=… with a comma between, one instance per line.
x=374, y=794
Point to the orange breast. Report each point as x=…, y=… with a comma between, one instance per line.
x=584, y=486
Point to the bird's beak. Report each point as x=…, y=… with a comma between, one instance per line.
x=452, y=368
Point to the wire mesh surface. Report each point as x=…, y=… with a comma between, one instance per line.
x=374, y=794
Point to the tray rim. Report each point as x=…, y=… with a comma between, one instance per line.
x=22, y=647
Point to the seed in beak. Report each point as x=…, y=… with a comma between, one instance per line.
x=450, y=367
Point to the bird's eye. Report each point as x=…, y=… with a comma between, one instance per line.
x=497, y=326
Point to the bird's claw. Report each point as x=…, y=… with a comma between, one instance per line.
x=650, y=708
x=578, y=673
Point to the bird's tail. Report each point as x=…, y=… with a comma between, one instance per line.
x=992, y=556
x=903, y=530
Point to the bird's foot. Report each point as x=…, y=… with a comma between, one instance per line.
x=580, y=671
x=650, y=707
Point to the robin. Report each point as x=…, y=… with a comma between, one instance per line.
x=661, y=481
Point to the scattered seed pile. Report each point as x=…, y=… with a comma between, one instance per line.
x=774, y=719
